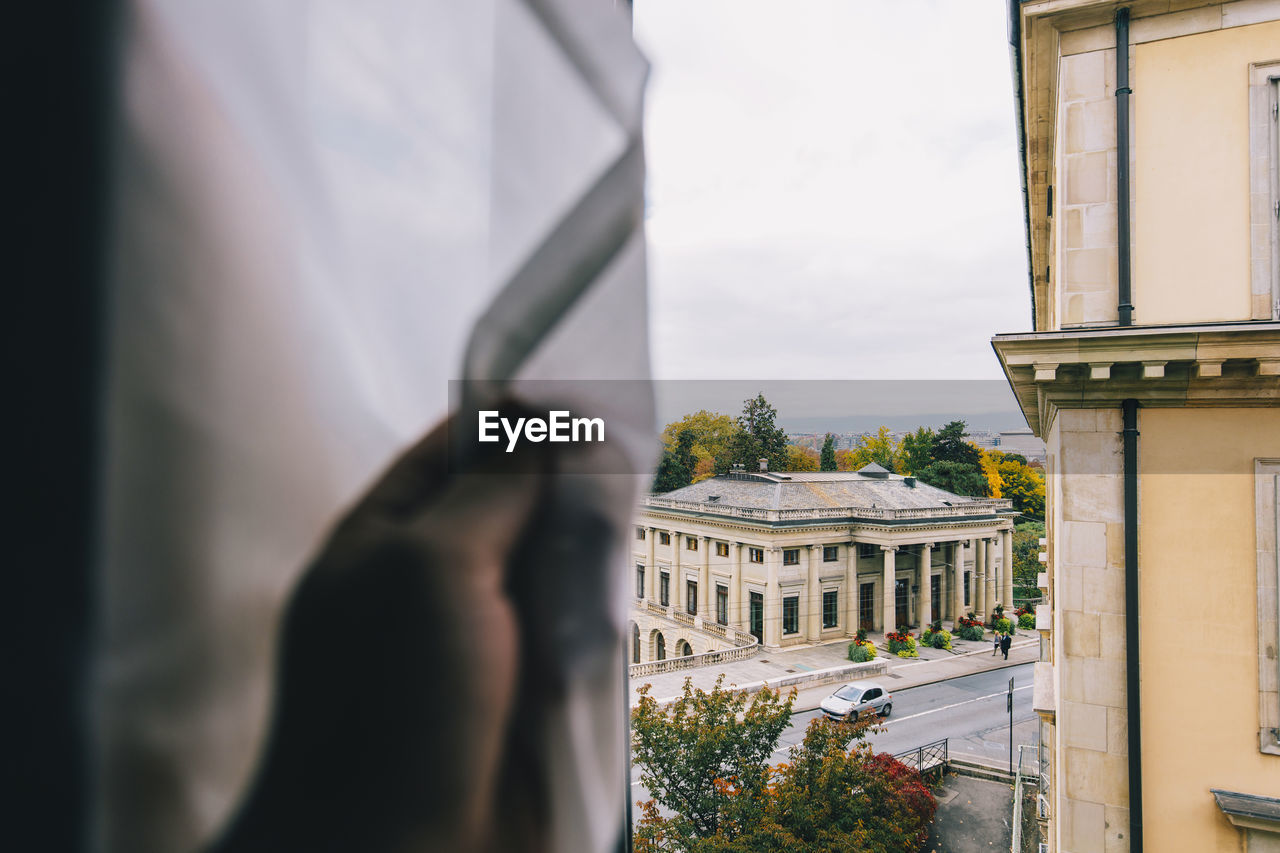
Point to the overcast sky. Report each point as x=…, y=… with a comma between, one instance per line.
x=833, y=188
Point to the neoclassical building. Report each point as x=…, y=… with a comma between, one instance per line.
x=810, y=557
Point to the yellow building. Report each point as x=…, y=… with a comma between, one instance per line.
x=1150, y=157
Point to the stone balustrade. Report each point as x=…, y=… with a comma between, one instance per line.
x=978, y=507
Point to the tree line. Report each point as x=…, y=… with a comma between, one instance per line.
x=705, y=444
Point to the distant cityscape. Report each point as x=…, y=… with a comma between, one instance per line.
x=1020, y=441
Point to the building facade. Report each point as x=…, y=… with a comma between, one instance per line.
x=795, y=558
x=1152, y=372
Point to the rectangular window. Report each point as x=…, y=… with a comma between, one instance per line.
x=830, y=553
x=791, y=556
x=791, y=614
x=867, y=551
x=755, y=604
x=639, y=581
x=966, y=589
x=640, y=533
x=664, y=538
x=722, y=549
x=690, y=543
x=691, y=596
x=830, y=608
x=664, y=589
x=756, y=555
x=722, y=604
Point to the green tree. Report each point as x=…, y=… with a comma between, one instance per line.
x=828, y=799
x=879, y=448
x=713, y=436
x=759, y=437
x=952, y=446
x=916, y=450
x=1026, y=559
x=956, y=477
x=689, y=748
x=676, y=467
x=827, y=462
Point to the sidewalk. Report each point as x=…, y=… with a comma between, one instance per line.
x=965, y=658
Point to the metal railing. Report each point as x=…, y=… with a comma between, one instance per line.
x=1019, y=780
x=929, y=758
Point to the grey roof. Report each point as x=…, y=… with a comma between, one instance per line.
x=814, y=490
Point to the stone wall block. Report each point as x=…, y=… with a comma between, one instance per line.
x=1103, y=681
x=1117, y=829
x=1095, y=497
x=1083, y=544
x=1080, y=636
x=1087, y=178
x=1103, y=590
x=1083, y=827
x=1084, y=75
x=1085, y=726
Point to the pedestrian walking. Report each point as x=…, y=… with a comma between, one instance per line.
x=1005, y=642
x=995, y=647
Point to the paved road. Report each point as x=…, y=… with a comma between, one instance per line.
x=969, y=711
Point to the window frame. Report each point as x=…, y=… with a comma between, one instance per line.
x=722, y=549
x=722, y=604
x=755, y=555
x=1267, y=537
x=664, y=538
x=640, y=580
x=790, y=614
x=831, y=599
x=867, y=550
x=790, y=556
x=691, y=543
x=833, y=550
x=664, y=589
x=691, y=597
x=639, y=534
x=1264, y=182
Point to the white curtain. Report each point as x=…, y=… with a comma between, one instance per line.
x=325, y=211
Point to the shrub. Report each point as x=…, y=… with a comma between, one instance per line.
x=902, y=644
x=1027, y=621
x=862, y=652
x=1003, y=626
x=969, y=628
x=861, y=636
x=939, y=639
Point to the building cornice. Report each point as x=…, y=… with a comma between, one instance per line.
x=1223, y=365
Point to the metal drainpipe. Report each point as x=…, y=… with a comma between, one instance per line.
x=1130, y=442
x=1125, y=308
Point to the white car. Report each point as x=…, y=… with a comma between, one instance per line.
x=850, y=701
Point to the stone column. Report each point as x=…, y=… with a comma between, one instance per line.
x=979, y=586
x=677, y=576
x=1006, y=540
x=889, y=612
x=992, y=589
x=735, y=584
x=926, y=584
x=814, y=596
x=651, y=566
x=706, y=607
x=772, y=601
x=957, y=579
x=850, y=605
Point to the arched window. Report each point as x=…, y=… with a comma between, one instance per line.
x=684, y=648
x=662, y=648
x=635, y=643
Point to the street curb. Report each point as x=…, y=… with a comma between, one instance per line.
x=814, y=678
